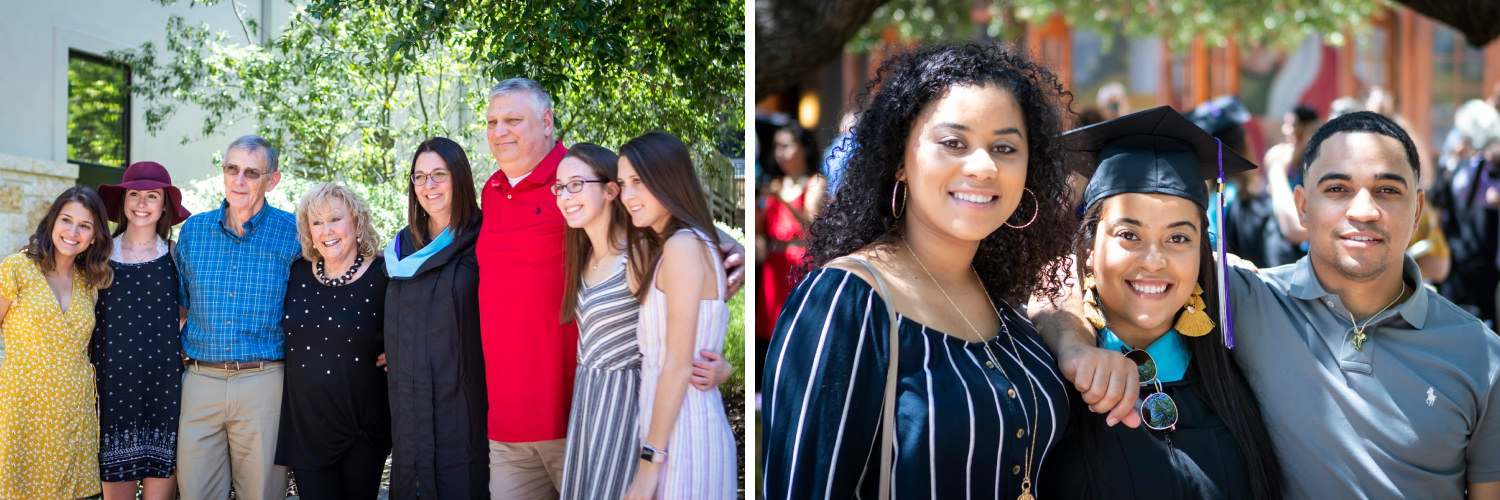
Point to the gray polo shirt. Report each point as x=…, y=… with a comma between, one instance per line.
x=1415, y=414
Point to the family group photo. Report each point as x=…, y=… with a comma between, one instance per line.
x=436, y=250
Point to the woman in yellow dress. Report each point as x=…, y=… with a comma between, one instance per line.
x=49, y=426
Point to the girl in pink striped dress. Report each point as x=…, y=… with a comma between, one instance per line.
x=687, y=449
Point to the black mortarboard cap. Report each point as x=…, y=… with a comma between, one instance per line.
x=1152, y=151
x=1219, y=114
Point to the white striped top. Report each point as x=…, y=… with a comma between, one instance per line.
x=962, y=428
x=701, y=458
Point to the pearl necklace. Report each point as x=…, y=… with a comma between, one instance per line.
x=341, y=280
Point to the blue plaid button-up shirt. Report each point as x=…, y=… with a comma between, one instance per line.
x=234, y=286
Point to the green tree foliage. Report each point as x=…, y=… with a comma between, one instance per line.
x=96, y=111
x=1275, y=22
x=348, y=89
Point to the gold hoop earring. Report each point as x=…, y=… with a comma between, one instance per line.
x=1091, y=309
x=1035, y=202
x=904, y=193
x=1194, y=321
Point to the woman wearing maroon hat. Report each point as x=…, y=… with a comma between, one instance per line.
x=136, y=344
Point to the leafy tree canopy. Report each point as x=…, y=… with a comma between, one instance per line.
x=1275, y=22
x=349, y=88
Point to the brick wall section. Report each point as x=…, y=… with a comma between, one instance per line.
x=27, y=188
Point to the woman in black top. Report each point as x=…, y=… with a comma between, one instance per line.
x=335, y=419
x=438, y=399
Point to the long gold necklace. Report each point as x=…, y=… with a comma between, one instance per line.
x=1359, y=330
x=1035, y=406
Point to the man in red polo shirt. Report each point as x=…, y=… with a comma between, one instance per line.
x=529, y=358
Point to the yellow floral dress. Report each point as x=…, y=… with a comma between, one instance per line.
x=49, y=423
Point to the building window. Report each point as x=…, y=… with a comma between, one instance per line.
x=98, y=112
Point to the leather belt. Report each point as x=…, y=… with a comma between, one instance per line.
x=229, y=365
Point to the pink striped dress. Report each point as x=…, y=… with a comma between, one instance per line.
x=701, y=456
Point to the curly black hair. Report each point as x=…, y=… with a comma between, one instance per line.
x=1012, y=263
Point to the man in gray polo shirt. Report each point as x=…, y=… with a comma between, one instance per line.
x=1372, y=386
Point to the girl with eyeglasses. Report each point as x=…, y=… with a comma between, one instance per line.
x=687, y=449
x=1146, y=259
x=436, y=364
x=603, y=445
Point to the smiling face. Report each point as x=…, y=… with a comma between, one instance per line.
x=1360, y=205
x=518, y=133
x=436, y=198
x=333, y=230
x=144, y=208
x=73, y=231
x=240, y=164
x=644, y=209
x=590, y=204
x=965, y=164
x=1145, y=260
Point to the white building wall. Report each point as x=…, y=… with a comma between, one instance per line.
x=35, y=37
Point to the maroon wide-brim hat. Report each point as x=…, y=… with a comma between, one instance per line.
x=143, y=176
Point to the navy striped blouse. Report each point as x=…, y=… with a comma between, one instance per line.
x=962, y=429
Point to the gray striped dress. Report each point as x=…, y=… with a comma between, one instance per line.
x=602, y=444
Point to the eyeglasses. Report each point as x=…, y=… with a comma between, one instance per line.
x=573, y=186
x=1158, y=411
x=437, y=176
x=250, y=173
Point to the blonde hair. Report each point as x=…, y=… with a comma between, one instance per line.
x=322, y=196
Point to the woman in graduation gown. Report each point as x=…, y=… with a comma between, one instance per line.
x=1151, y=290
x=436, y=365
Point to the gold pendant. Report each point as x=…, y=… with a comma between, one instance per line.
x=1026, y=490
x=1359, y=341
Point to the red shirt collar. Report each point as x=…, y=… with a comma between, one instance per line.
x=545, y=173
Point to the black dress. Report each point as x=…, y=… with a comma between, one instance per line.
x=135, y=348
x=334, y=407
x=1197, y=460
x=438, y=399
x=962, y=426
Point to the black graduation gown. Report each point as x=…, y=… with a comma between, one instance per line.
x=436, y=378
x=1254, y=235
x=1197, y=460
x=1472, y=227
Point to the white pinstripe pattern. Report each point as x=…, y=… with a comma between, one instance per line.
x=701, y=451
x=947, y=439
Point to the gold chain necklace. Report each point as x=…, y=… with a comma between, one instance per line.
x=1359, y=331
x=1035, y=406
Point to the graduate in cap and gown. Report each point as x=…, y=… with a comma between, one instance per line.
x=1253, y=230
x=1152, y=276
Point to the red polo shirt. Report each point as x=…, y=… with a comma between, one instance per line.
x=529, y=358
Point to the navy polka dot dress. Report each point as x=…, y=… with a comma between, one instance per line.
x=136, y=350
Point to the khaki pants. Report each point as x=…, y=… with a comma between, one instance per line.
x=228, y=432
x=526, y=471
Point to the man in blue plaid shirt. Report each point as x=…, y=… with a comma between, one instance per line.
x=234, y=263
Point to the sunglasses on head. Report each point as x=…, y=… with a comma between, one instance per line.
x=1158, y=411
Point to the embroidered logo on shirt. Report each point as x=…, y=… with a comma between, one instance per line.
x=1431, y=396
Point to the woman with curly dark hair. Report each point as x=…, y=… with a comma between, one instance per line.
x=954, y=197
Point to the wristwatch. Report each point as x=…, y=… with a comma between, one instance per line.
x=653, y=455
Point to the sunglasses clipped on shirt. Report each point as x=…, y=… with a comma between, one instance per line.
x=573, y=186
x=1158, y=411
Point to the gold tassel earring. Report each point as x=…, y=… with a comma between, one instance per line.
x=1091, y=303
x=1195, y=321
